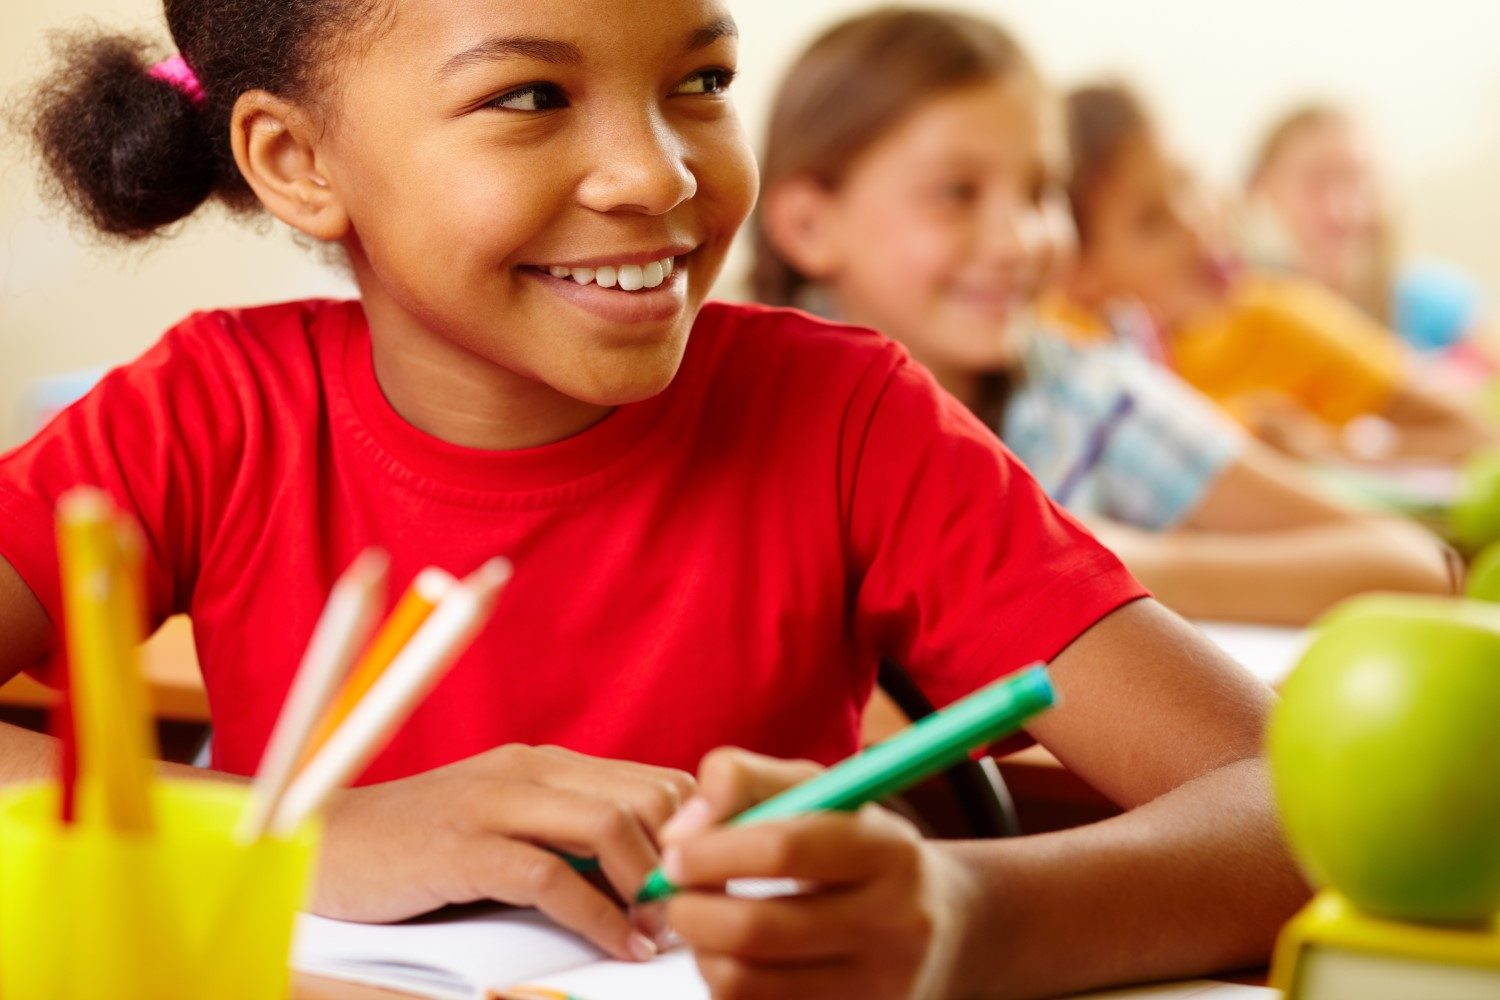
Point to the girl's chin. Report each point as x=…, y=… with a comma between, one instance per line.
x=630, y=375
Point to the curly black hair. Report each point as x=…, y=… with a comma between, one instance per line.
x=132, y=153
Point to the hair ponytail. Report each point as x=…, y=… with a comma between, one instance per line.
x=132, y=152
x=129, y=152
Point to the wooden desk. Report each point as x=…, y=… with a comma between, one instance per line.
x=305, y=987
x=171, y=668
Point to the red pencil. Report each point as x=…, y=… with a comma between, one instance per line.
x=61, y=725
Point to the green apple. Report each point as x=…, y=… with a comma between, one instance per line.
x=1385, y=751
x=1474, y=521
x=1484, y=575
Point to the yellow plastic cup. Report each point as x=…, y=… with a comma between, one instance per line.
x=87, y=912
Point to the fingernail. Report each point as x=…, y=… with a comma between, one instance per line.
x=640, y=947
x=694, y=815
x=671, y=864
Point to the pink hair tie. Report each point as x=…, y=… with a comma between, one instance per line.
x=179, y=74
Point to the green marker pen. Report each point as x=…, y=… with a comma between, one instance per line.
x=917, y=752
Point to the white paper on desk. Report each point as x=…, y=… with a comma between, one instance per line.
x=471, y=958
x=1267, y=651
x=452, y=958
x=464, y=957
x=1194, y=989
x=672, y=975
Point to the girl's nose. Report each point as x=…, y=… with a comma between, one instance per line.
x=1014, y=235
x=638, y=166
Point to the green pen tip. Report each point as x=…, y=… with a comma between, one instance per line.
x=657, y=886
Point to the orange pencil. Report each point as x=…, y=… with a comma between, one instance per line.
x=426, y=590
x=440, y=641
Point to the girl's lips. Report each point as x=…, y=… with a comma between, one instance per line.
x=648, y=305
x=994, y=303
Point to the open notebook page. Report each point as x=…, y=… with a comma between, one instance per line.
x=456, y=955
x=471, y=954
x=673, y=976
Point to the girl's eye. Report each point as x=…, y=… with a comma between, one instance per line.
x=959, y=192
x=706, y=81
x=532, y=97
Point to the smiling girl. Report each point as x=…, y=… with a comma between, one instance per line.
x=722, y=517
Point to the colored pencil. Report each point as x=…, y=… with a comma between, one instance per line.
x=421, y=598
x=346, y=622
x=114, y=740
x=440, y=640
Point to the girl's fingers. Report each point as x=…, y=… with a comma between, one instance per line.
x=829, y=849
x=653, y=793
x=819, y=927
x=581, y=824
x=509, y=871
x=731, y=780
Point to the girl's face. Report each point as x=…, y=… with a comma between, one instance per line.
x=1147, y=237
x=1323, y=189
x=939, y=234
x=511, y=168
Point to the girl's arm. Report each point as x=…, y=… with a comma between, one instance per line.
x=25, y=641
x=1193, y=879
x=1265, y=545
x=1428, y=426
x=468, y=831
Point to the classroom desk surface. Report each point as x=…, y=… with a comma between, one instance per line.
x=171, y=668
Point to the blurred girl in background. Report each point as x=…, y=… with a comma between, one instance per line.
x=911, y=182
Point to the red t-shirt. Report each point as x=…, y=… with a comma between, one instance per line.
x=722, y=564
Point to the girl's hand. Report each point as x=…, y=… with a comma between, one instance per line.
x=882, y=915
x=490, y=827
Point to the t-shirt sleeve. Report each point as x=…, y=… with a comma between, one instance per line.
x=965, y=570
x=1163, y=450
x=1333, y=358
x=153, y=435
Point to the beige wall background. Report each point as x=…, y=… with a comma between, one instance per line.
x=1424, y=74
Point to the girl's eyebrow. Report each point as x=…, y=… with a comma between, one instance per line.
x=506, y=46
x=705, y=36
x=551, y=50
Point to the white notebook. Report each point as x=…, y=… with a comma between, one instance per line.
x=481, y=953
x=478, y=953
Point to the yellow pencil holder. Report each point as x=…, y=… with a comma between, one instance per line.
x=90, y=912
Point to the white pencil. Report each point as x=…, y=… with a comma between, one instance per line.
x=347, y=620
x=440, y=641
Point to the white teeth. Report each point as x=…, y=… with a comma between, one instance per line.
x=626, y=277
x=631, y=279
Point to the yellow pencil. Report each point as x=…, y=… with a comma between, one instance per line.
x=103, y=611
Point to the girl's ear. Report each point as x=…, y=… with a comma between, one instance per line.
x=274, y=145
x=799, y=219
